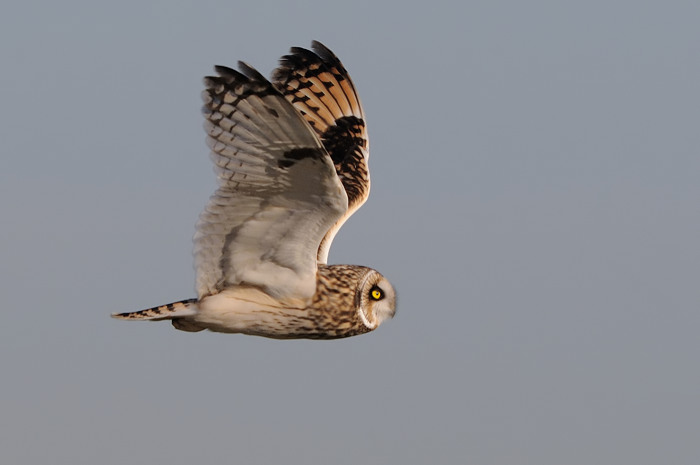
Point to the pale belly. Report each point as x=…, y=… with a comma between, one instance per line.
x=251, y=311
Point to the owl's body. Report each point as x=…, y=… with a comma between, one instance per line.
x=291, y=159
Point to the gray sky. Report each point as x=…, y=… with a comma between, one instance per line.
x=535, y=201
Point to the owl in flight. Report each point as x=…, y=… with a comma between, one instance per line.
x=291, y=160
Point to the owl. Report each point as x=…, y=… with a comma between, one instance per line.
x=291, y=159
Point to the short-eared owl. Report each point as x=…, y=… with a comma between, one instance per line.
x=291, y=161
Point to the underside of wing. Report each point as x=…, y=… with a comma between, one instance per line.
x=278, y=190
x=319, y=87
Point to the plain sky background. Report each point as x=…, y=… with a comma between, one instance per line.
x=535, y=201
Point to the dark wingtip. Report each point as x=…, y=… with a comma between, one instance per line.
x=224, y=70
x=232, y=74
x=250, y=72
x=245, y=74
x=303, y=54
x=320, y=49
x=295, y=59
x=324, y=53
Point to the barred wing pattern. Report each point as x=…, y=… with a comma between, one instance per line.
x=278, y=193
x=319, y=87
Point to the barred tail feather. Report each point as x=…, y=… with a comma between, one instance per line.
x=163, y=312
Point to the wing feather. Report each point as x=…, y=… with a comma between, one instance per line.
x=278, y=191
x=319, y=87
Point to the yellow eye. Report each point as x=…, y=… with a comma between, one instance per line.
x=376, y=293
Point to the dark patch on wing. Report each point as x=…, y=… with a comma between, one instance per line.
x=353, y=173
x=345, y=143
x=340, y=139
x=294, y=155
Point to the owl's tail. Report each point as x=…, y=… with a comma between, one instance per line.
x=163, y=312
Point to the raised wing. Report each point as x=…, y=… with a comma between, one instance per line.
x=278, y=190
x=319, y=87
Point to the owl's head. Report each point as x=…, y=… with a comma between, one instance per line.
x=375, y=299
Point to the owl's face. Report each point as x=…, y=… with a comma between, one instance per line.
x=375, y=299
